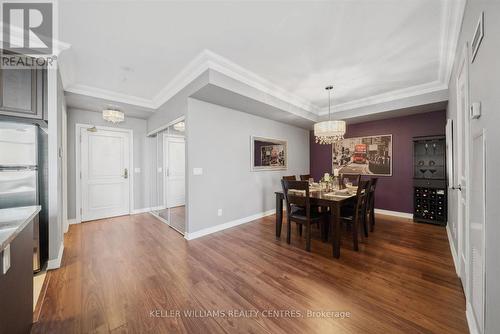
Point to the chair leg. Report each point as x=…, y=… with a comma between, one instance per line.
x=308, y=236
x=372, y=219
x=355, y=236
x=365, y=225
x=288, y=231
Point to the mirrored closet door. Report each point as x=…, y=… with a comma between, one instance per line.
x=167, y=195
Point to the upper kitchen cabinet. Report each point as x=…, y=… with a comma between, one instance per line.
x=22, y=92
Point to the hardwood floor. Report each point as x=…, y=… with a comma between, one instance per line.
x=125, y=274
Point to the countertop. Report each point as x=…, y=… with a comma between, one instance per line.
x=13, y=221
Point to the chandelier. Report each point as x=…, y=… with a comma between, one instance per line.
x=328, y=132
x=113, y=116
x=181, y=126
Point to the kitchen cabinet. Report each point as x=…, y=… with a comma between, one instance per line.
x=16, y=269
x=22, y=92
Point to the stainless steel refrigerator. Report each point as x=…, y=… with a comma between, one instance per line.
x=19, y=173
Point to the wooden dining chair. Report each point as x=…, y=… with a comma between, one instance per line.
x=290, y=178
x=356, y=216
x=305, y=177
x=370, y=205
x=354, y=178
x=298, y=210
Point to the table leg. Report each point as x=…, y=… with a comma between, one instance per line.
x=279, y=215
x=335, y=225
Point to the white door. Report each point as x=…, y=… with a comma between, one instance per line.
x=463, y=131
x=477, y=228
x=105, y=173
x=175, y=152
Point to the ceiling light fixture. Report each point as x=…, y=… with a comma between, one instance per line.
x=113, y=116
x=181, y=126
x=328, y=132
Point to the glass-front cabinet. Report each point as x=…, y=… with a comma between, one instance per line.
x=429, y=180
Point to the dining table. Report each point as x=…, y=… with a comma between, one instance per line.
x=332, y=199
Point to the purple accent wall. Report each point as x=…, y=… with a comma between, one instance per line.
x=394, y=192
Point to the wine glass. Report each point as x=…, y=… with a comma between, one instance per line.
x=423, y=170
x=311, y=181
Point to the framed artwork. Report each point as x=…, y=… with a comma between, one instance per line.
x=478, y=37
x=371, y=155
x=268, y=154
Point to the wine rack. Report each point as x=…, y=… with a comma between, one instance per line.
x=429, y=180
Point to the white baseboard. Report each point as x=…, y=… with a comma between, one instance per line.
x=471, y=321
x=453, y=251
x=56, y=263
x=394, y=213
x=72, y=221
x=137, y=211
x=220, y=227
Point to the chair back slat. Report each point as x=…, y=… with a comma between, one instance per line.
x=305, y=177
x=290, y=178
x=292, y=198
x=361, y=197
x=371, y=193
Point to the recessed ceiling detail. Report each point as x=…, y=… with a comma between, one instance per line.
x=374, y=51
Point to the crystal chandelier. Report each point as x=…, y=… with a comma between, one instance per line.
x=113, y=116
x=328, y=132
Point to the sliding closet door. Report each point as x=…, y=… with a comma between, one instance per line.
x=168, y=182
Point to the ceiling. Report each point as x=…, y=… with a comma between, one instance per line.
x=138, y=53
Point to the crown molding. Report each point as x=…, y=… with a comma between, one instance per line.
x=210, y=60
x=453, y=14
x=225, y=66
x=110, y=95
x=450, y=29
x=387, y=97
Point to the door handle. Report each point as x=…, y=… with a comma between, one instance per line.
x=125, y=173
x=459, y=187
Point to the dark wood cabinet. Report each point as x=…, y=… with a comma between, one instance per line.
x=22, y=92
x=430, y=191
x=16, y=286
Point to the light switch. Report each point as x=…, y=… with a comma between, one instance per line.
x=197, y=171
x=475, y=110
x=137, y=170
x=6, y=259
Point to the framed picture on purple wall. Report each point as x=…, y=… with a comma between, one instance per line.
x=371, y=155
x=268, y=154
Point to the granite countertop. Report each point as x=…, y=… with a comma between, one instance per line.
x=13, y=221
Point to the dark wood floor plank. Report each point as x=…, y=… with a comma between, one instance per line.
x=117, y=271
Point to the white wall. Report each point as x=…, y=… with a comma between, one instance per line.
x=484, y=82
x=55, y=105
x=141, y=155
x=218, y=140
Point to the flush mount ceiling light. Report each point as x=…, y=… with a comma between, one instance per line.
x=328, y=132
x=113, y=116
x=181, y=126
